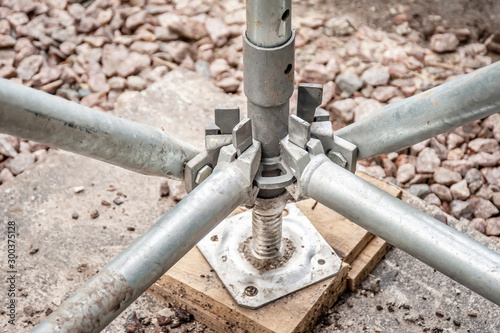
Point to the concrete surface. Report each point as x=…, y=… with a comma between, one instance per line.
x=41, y=202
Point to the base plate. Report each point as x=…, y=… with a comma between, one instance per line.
x=312, y=261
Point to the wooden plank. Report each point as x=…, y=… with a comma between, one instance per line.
x=366, y=262
x=193, y=284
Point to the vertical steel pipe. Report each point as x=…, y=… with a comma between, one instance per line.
x=436, y=244
x=51, y=120
x=269, y=126
x=116, y=286
x=269, y=22
x=268, y=70
x=402, y=124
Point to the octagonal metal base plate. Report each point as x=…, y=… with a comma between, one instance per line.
x=313, y=260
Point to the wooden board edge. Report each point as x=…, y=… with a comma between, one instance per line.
x=204, y=308
x=358, y=249
x=325, y=301
x=366, y=262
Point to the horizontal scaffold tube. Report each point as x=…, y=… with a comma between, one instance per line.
x=434, y=243
x=56, y=122
x=130, y=274
x=405, y=123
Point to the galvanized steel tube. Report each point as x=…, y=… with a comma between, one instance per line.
x=439, y=246
x=269, y=22
x=269, y=126
x=51, y=120
x=116, y=286
x=268, y=70
x=402, y=124
x=268, y=85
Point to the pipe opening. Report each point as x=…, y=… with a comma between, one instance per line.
x=286, y=15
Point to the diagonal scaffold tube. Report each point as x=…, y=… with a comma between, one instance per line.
x=132, y=272
x=405, y=123
x=56, y=122
x=423, y=237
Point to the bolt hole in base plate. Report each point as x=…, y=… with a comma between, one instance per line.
x=312, y=261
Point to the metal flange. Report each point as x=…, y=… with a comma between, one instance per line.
x=317, y=125
x=217, y=135
x=273, y=174
x=306, y=259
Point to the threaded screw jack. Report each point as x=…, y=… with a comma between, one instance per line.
x=267, y=222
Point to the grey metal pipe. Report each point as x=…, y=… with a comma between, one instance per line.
x=439, y=246
x=54, y=121
x=268, y=58
x=269, y=22
x=269, y=126
x=116, y=286
x=268, y=80
x=402, y=124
